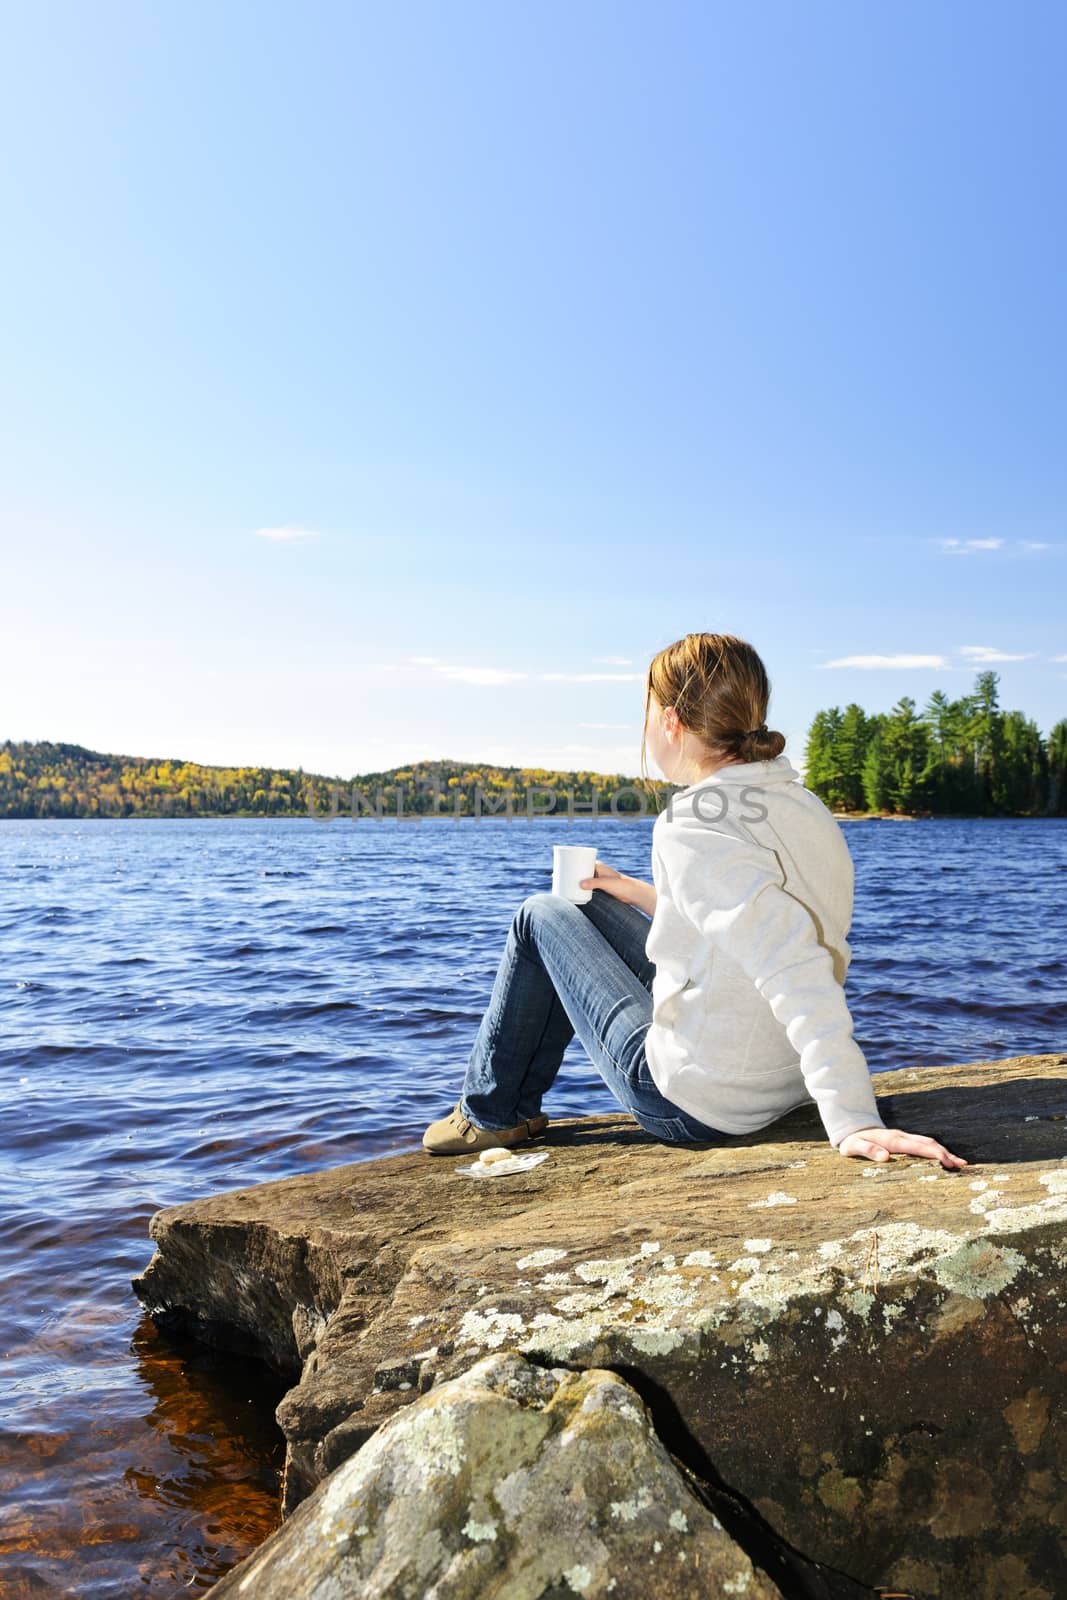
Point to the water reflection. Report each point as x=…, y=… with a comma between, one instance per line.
x=154, y=1479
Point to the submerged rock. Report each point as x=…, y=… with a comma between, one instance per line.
x=862, y=1363
x=510, y=1481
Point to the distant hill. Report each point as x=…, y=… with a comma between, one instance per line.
x=952, y=757
x=40, y=779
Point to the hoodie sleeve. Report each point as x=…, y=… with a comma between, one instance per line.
x=733, y=891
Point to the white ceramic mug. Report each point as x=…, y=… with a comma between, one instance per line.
x=570, y=864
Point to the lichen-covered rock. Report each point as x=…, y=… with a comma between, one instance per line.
x=510, y=1482
x=872, y=1359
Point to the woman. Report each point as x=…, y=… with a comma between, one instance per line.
x=728, y=1009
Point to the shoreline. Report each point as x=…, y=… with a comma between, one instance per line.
x=523, y=816
x=943, y=816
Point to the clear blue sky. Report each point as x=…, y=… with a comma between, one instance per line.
x=547, y=333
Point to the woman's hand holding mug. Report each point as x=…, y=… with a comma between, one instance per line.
x=617, y=884
x=621, y=886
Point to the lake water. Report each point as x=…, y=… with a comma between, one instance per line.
x=188, y=1006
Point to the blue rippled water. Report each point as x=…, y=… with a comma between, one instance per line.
x=188, y=1006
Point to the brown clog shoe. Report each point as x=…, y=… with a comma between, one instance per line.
x=456, y=1135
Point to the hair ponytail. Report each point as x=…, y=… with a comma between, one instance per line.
x=719, y=687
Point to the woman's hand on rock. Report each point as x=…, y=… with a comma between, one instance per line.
x=878, y=1144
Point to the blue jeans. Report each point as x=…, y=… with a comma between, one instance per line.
x=570, y=969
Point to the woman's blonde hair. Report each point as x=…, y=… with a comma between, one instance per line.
x=719, y=687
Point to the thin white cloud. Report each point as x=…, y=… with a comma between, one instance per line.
x=285, y=535
x=493, y=676
x=1060, y=658
x=983, y=652
x=870, y=663
x=496, y=676
x=620, y=725
x=965, y=547
x=484, y=676
x=613, y=661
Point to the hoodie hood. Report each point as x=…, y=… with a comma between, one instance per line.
x=778, y=770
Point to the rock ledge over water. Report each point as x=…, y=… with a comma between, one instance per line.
x=863, y=1366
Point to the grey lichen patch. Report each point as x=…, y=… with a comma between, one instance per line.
x=837, y=1272
x=489, y=1329
x=479, y=1530
x=890, y=1312
x=744, y=1265
x=669, y=1291
x=433, y=1444
x=657, y=1341
x=978, y=1269
x=579, y=1302
x=579, y=1578
x=629, y=1509
x=985, y=1202
x=1017, y=1219
x=541, y=1258
x=631, y=1296
x=616, y=1273
x=904, y=1245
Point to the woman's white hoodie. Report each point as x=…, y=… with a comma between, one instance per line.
x=754, y=885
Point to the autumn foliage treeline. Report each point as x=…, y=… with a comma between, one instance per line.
x=963, y=756
x=65, y=780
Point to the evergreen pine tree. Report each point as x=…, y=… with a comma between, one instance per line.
x=876, y=775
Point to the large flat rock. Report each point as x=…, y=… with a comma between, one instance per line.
x=863, y=1363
